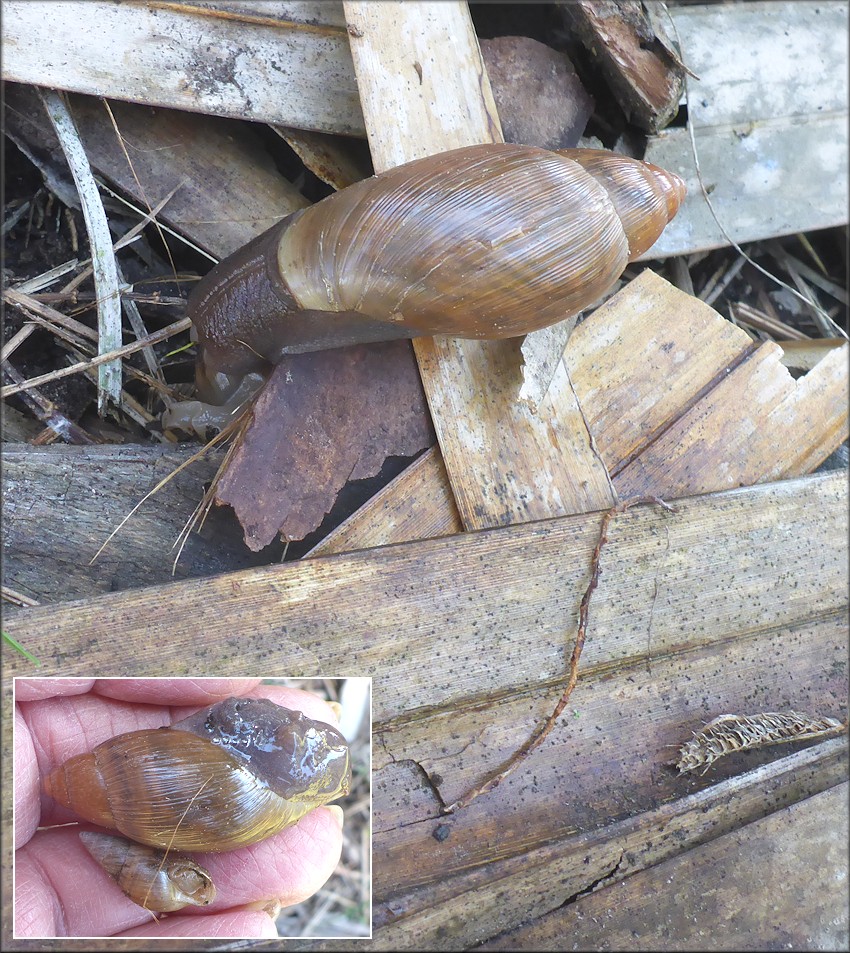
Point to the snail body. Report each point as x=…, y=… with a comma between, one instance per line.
x=487, y=241
x=227, y=776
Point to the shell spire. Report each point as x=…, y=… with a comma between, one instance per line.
x=163, y=884
x=645, y=196
x=673, y=186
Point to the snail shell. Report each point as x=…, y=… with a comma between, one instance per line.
x=230, y=775
x=150, y=879
x=488, y=241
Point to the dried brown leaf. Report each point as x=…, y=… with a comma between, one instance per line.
x=321, y=420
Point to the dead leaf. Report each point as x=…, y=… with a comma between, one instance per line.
x=322, y=419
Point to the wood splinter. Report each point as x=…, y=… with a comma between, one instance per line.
x=540, y=734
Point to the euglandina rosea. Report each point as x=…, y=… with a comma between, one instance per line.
x=228, y=776
x=487, y=241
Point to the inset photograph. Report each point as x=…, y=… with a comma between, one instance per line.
x=192, y=807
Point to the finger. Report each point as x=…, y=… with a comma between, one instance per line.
x=27, y=793
x=174, y=691
x=288, y=867
x=235, y=924
x=31, y=689
x=62, y=891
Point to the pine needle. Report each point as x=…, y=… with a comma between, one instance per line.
x=218, y=438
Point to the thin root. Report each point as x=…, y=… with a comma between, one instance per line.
x=541, y=733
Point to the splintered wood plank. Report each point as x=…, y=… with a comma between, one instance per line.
x=642, y=76
x=724, y=440
x=686, y=403
x=280, y=63
x=388, y=517
x=421, y=61
x=227, y=187
x=678, y=400
x=499, y=606
x=769, y=112
x=794, y=868
x=642, y=358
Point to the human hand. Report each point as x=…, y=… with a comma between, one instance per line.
x=60, y=890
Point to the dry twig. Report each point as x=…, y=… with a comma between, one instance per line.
x=754, y=318
x=161, y=335
x=47, y=412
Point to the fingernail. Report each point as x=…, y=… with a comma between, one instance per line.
x=337, y=709
x=336, y=811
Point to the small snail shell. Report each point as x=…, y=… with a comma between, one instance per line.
x=230, y=775
x=149, y=878
x=488, y=241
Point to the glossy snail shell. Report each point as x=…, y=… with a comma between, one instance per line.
x=153, y=881
x=228, y=776
x=488, y=241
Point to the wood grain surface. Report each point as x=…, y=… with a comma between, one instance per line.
x=286, y=63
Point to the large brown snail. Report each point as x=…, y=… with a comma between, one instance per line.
x=488, y=241
x=228, y=776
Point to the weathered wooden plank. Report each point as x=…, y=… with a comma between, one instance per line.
x=227, y=187
x=720, y=565
x=678, y=401
x=778, y=882
x=449, y=105
x=769, y=112
x=594, y=809
x=609, y=757
x=60, y=504
x=504, y=463
x=765, y=181
x=267, y=65
x=766, y=60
